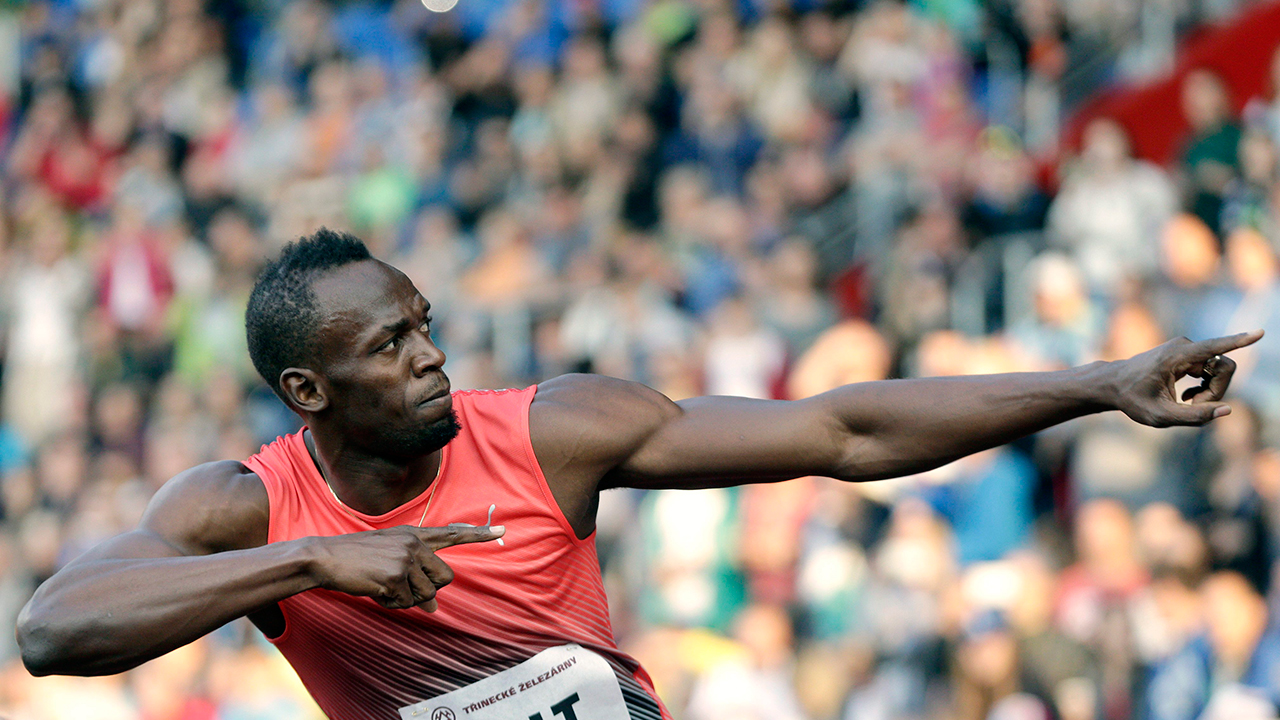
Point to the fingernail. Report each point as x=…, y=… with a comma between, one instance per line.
x=498, y=529
x=1224, y=410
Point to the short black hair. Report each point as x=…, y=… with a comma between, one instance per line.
x=281, y=319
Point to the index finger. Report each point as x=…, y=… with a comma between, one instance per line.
x=1218, y=346
x=457, y=534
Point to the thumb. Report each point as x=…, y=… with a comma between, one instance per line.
x=1196, y=414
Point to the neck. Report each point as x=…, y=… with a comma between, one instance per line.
x=367, y=483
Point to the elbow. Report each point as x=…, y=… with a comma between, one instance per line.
x=39, y=650
x=43, y=646
x=38, y=662
x=57, y=640
x=860, y=458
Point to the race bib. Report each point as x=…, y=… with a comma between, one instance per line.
x=568, y=682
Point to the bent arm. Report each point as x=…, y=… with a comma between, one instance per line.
x=136, y=599
x=198, y=561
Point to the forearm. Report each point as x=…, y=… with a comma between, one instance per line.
x=108, y=615
x=866, y=431
x=900, y=427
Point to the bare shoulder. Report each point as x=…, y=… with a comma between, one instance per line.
x=600, y=393
x=213, y=507
x=618, y=405
x=594, y=419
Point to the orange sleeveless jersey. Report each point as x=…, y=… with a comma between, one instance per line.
x=507, y=602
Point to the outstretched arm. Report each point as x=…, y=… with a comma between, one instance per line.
x=624, y=434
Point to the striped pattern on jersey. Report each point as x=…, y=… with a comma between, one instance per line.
x=507, y=602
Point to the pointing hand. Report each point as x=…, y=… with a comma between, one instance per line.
x=1145, y=383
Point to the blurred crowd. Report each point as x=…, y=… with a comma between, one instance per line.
x=765, y=198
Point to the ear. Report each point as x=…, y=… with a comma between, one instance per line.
x=304, y=389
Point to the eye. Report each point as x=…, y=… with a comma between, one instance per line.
x=426, y=325
x=390, y=345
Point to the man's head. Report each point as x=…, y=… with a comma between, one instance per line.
x=1236, y=616
x=344, y=340
x=1206, y=101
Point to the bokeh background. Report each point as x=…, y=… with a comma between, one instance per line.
x=753, y=197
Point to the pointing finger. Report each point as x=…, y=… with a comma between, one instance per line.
x=443, y=537
x=1217, y=346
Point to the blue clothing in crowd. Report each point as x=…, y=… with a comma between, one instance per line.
x=1182, y=686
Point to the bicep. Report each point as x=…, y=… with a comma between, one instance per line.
x=137, y=544
x=720, y=441
x=207, y=509
x=592, y=433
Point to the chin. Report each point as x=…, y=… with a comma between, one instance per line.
x=426, y=438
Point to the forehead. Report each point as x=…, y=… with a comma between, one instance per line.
x=362, y=296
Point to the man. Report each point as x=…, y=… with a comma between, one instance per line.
x=334, y=541
x=1232, y=669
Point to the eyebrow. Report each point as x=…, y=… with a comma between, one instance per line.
x=404, y=324
x=397, y=327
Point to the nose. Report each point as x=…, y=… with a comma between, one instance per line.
x=426, y=356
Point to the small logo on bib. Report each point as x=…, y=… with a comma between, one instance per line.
x=442, y=713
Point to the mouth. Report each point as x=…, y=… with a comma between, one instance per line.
x=437, y=397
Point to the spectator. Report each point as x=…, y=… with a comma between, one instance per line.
x=1229, y=671
x=743, y=358
x=1053, y=667
x=1190, y=293
x=903, y=615
x=758, y=685
x=1247, y=199
x=987, y=660
x=1005, y=197
x=1264, y=112
x=853, y=351
x=1065, y=328
x=1255, y=274
x=1113, y=457
x=1235, y=529
x=1110, y=209
x=1169, y=612
x=1096, y=596
x=47, y=297
x=790, y=302
x=1210, y=158
x=705, y=197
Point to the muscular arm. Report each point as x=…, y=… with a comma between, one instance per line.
x=198, y=560
x=593, y=433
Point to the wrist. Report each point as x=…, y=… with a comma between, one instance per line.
x=1099, y=385
x=306, y=559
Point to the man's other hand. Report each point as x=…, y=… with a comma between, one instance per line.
x=398, y=567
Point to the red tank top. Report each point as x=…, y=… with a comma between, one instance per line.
x=507, y=603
